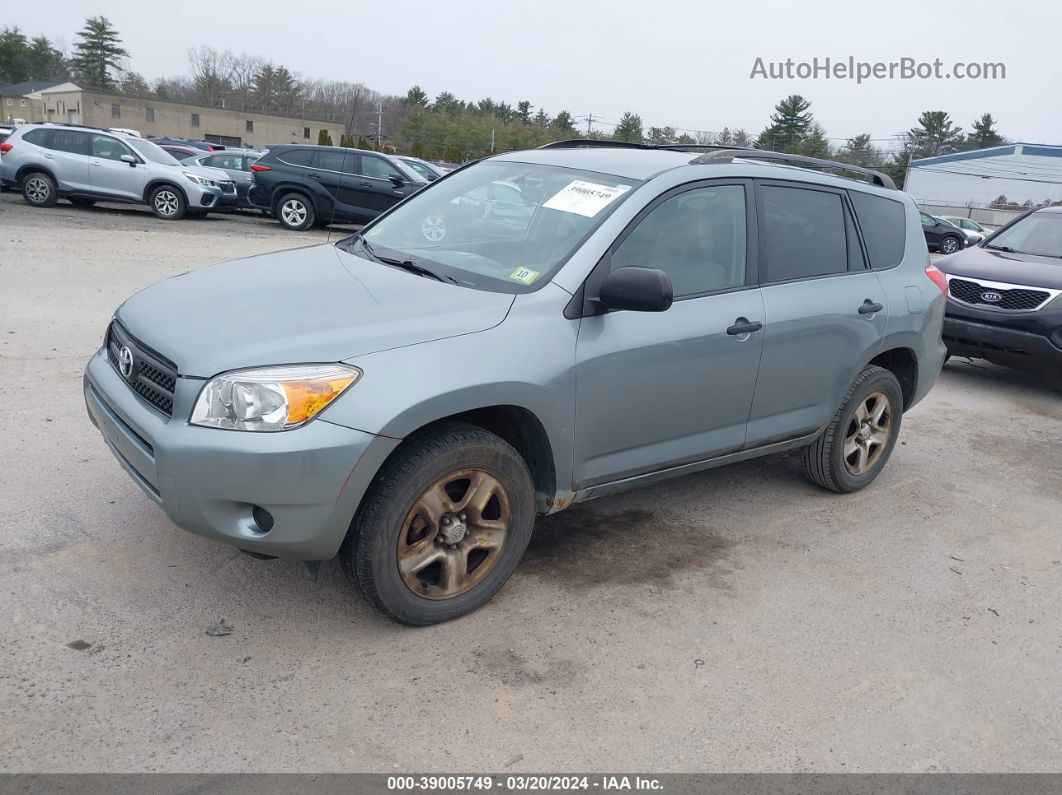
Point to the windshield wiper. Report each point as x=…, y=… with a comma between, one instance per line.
x=1007, y=249
x=405, y=264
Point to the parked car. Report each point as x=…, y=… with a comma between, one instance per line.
x=974, y=232
x=48, y=162
x=306, y=185
x=5, y=132
x=236, y=163
x=409, y=400
x=941, y=235
x=180, y=151
x=1005, y=295
x=429, y=171
x=206, y=147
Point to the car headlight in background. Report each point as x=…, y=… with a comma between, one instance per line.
x=198, y=180
x=271, y=398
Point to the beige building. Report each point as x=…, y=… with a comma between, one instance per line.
x=67, y=102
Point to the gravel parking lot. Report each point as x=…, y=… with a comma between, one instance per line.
x=734, y=620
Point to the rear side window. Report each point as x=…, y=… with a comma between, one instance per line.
x=296, y=157
x=803, y=233
x=38, y=137
x=76, y=143
x=884, y=227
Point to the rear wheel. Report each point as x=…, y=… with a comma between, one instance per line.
x=295, y=212
x=168, y=203
x=443, y=526
x=39, y=189
x=857, y=443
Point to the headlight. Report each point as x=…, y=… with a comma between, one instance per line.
x=198, y=180
x=271, y=398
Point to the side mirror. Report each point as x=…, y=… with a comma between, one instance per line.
x=637, y=289
x=129, y=159
x=397, y=181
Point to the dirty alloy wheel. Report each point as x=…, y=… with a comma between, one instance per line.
x=295, y=212
x=168, y=203
x=39, y=190
x=853, y=449
x=949, y=245
x=443, y=526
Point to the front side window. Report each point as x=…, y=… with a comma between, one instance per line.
x=803, y=233
x=497, y=225
x=76, y=143
x=1039, y=234
x=698, y=238
x=108, y=148
x=378, y=167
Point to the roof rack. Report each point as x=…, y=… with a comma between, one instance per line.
x=730, y=154
x=593, y=143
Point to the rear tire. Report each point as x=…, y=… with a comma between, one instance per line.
x=454, y=482
x=168, y=203
x=949, y=245
x=39, y=190
x=857, y=443
x=295, y=212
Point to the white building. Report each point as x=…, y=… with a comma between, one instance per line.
x=1021, y=172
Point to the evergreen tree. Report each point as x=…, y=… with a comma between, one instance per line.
x=897, y=167
x=629, y=129
x=658, y=136
x=984, y=133
x=935, y=134
x=860, y=152
x=542, y=118
x=741, y=138
x=563, y=122
x=13, y=62
x=43, y=61
x=523, y=112
x=791, y=123
x=417, y=97
x=814, y=143
x=97, y=52
x=323, y=138
x=133, y=83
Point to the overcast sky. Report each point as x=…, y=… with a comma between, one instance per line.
x=685, y=63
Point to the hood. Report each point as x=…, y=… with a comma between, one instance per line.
x=216, y=174
x=313, y=304
x=978, y=262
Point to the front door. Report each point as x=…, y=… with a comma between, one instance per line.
x=109, y=174
x=826, y=313
x=655, y=390
x=377, y=185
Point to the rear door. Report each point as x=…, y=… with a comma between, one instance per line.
x=826, y=312
x=67, y=154
x=333, y=170
x=109, y=175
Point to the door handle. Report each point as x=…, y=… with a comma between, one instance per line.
x=315, y=176
x=743, y=326
x=870, y=308
x=50, y=157
x=366, y=184
x=94, y=162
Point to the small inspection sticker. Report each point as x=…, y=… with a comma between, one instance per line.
x=584, y=198
x=524, y=275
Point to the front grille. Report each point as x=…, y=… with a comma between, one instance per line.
x=228, y=187
x=152, y=377
x=1017, y=299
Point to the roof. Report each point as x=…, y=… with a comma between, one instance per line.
x=27, y=87
x=639, y=164
x=1036, y=150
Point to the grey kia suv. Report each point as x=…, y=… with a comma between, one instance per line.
x=410, y=397
x=48, y=162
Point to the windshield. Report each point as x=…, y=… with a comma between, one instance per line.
x=421, y=169
x=1039, y=233
x=152, y=152
x=499, y=226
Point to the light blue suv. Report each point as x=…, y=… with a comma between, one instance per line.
x=48, y=162
x=410, y=397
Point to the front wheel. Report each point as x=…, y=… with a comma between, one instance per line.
x=949, y=245
x=443, y=526
x=168, y=203
x=853, y=449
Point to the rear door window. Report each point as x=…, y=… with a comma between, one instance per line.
x=804, y=233
x=72, y=141
x=884, y=226
x=329, y=160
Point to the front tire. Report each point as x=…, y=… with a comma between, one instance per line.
x=857, y=443
x=39, y=190
x=168, y=203
x=443, y=526
x=295, y=212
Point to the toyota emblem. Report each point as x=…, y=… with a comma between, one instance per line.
x=125, y=362
x=991, y=298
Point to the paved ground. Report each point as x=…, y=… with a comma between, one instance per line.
x=736, y=620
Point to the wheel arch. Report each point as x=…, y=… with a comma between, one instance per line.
x=283, y=190
x=30, y=168
x=155, y=184
x=902, y=363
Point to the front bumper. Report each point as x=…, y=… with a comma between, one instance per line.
x=207, y=480
x=1025, y=341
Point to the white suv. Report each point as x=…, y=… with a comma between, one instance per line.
x=48, y=162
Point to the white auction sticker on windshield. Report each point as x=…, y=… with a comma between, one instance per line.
x=584, y=198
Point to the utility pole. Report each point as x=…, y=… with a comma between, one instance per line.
x=492, y=140
x=589, y=122
x=379, y=126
